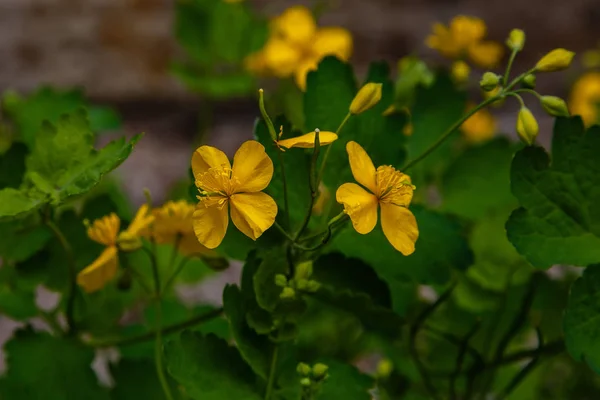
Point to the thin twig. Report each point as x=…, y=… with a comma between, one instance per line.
x=462, y=351
x=522, y=374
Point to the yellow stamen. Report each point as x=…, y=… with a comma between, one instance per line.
x=392, y=183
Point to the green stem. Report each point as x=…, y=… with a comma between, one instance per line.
x=522, y=374
x=285, y=189
x=509, y=66
x=312, y=181
x=513, y=94
x=70, y=312
x=324, y=162
x=271, y=380
x=144, y=337
x=179, y=268
x=462, y=351
x=283, y=231
x=530, y=91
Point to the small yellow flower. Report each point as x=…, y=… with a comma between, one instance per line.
x=220, y=186
x=173, y=223
x=585, y=98
x=556, y=60
x=460, y=71
x=390, y=189
x=296, y=45
x=463, y=38
x=307, y=141
x=480, y=127
x=106, y=231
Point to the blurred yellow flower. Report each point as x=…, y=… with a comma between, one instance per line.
x=296, y=45
x=173, y=225
x=388, y=188
x=106, y=231
x=585, y=98
x=460, y=71
x=463, y=38
x=480, y=127
x=240, y=186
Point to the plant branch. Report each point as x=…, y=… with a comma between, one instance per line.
x=326, y=156
x=271, y=380
x=286, y=201
x=462, y=350
x=522, y=374
x=313, y=184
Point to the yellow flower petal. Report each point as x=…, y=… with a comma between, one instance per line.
x=143, y=218
x=302, y=70
x=210, y=224
x=362, y=166
x=307, y=141
x=105, y=230
x=206, y=158
x=360, y=205
x=281, y=57
x=399, y=227
x=253, y=213
x=296, y=25
x=95, y=276
x=466, y=30
x=252, y=168
x=486, y=54
x=332, y=41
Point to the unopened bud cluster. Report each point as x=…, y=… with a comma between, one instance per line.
x=301, y=282
x=311, y=378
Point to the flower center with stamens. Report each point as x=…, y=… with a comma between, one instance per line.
x=393, y=186
x=216, y=186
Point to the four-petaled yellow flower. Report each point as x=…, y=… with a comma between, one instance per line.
x=585, y=98
x=106, y=231
x=173, y=225
x=240, y=187
x=390, y=189
x=463, y=38
x=480, y=126
x=296, y=45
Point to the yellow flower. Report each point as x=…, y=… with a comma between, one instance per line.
x=106, y=231
x=463, y=38
x=220, y=186
x=173, y=223
x=390, y=189
x=480, y=127
x=585, y=98
x=296, y=45
x=307, y=141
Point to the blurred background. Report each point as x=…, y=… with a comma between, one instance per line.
x=120, y=53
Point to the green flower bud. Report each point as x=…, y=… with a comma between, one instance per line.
x=384, y=368
x=516, y=40
x=556, y=60
x=281, y=280
x=319, y=371
x=555, y=106
x=303, y=369
x=313, y=286
x=527, y=126
x=128, y=242
x=304, y=270
x=301, y=284
x=489, y=81
x=305, y=382
x=367, y=97
x=287, y=293
x=529, y=81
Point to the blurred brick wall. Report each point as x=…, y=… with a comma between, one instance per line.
x=120, y=49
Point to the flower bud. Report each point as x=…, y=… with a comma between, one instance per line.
x=287, y=293
x=319, y=371
x=305, y=382
x=312, y=286
x=489, y=81
x=128, y=242
x=516, y=40
x=555, y=106
x=556, y=60
x=384, y=368
x=303, y=369
x=367, y=97
x=529, y=81
x=460, y=71
x=304, y=270
x=301, y=284
x=527, y=126
x=281, y=280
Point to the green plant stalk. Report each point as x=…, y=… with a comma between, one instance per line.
x=326, y=156
x=509, y=67
x=522, y=374
x=312, y=181
x=70, y=311
x=168, y=330
x=462, y=351
x=271, y=380
x=285, y=189
x=174, y=253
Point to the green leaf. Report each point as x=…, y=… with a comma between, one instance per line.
x=435, y=109
x=63, y=162
x=103, y=119
x=22, y=239
x=209, y=369
x=477, y=182
x=345, y=382
x=17, y=300
x=559, y=218
x=136, y=379
x=440, y=247
x=42, y=367
x=329, y=92
x=17, y=203
x=12, y=166
x=582, y=318
x=254, y=348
